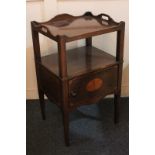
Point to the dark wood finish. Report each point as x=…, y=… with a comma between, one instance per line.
x=78, y=87
x=65, y=110
x=37, y=55
x=78, y=62
x=119, y=57
x=76, y=27
x=63, y=75
x=82, y=75
x=89, y=41
x=62, y=58
x=51, y=85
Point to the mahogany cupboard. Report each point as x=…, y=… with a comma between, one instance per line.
x=84, y=75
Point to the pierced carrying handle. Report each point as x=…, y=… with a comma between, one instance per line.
x=103, y=17
x=44, y=29
x=106, y=17
x=40, y=27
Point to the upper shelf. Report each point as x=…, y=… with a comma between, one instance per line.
x=80, y=61
x=76, y=27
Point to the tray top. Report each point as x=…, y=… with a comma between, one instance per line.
x=74, y=26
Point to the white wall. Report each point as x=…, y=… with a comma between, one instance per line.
x=41, y=11
x=34, y=12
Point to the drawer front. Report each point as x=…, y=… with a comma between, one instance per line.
x=91, y=87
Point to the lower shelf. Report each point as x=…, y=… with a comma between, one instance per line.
x=80, y=61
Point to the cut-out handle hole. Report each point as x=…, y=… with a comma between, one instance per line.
x=44, y=29
x=105, y=18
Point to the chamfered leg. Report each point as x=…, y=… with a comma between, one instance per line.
x=119, y=58
x=116, y=107
x=42, y=103
x=66, y=126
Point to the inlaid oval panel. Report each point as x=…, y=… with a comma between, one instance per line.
x=94, y=84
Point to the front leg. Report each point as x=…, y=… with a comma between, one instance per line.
x=66, y=126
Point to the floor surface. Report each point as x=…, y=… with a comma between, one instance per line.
x=92, y=130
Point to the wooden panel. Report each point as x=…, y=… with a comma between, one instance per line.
x=91, y=87
x=51, y=85
x=80, y=60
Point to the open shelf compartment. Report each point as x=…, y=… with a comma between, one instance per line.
x=80, y=61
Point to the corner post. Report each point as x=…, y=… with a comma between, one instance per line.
x=37, y=56
x=89, y=41
x=119, y=58
x=62, y=58
x=88, y=52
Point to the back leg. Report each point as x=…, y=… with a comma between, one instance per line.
x=116, y=107
x=42, y=103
